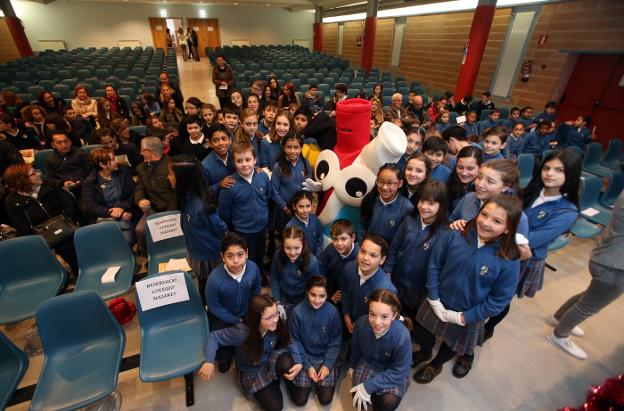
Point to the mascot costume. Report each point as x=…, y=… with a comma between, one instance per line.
x=349, y=171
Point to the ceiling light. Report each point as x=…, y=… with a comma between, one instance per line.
x=202, y=13
x=347, y=17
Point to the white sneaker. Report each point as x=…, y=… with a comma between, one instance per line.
x=576, y=331
x=567, y=345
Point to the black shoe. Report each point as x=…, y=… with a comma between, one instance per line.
x=487, y=334
x=427, y=374
x=418, y=357
x=462, y=366
x=224, y=367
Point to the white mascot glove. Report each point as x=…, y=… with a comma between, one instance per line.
x=282, y=311
x=454, y=317
x=438, y=309
x=361, y=398
x=312, y=185
x=267, y=172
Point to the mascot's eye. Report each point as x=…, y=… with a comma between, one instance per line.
x=356, y=187
x=322, y=169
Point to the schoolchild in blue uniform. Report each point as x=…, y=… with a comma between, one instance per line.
x=540, y=140
x=269, y=109
x=514, y=114
x=244, y=206
x=463, y=176
x=229, y=289
x=287, y=177
x=514, y=146
x=410, y=249
x=491, y=121
x=202, y=227
x=471, y=125
x=380, y=354
x=335, y=256
x=271, y=148
x=316, y=330
x=551, y=205
x=384, y=209
x=307, y=221
x=292, y=265
x=493, y=140
x=248, y=132
x=363, y=276
x=575, y=133
x=471, y=276
x=443, y=121
x=415, y=137
x=435, y=149
x=526, y=117
x=218, y=165
x=264, y=353
x=549, y=114
x=416, y=174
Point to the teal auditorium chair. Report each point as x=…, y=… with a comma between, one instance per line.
x=14, y=365
x=29, y=275
x=99, y=246
x=616, y=185
x=590, y=199
x=526, y=163
x=164, y=250
x=83, y=345
x=173, y=336
x=590, y=192
x=41, y=160
x=591, y=162
x=612, y=157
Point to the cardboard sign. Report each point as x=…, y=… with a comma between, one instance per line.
x=162, y=290
x=165, y=227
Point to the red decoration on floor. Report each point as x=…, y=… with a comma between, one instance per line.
x=609, y=396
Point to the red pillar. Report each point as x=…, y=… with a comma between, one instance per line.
x=477, y=39
x=368, y=43
x=318, y=37
x=19, y=36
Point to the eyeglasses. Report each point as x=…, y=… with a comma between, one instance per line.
x=381, y=183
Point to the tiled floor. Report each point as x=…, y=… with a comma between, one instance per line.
x=517, y=370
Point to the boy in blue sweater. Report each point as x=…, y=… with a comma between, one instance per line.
x=362, y=277
x=492, y=121
x=514, y=146
x=493, y=142
x=540, y=140
x=245, y=205
x=549, y=114
x=334, y=257
x=514, y=115
x=435, y=149
x=218, y=166
x=229, y=289
x=575, y=133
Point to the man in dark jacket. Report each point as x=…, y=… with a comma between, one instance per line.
x=223, y=78
x=68, y=165
x=153, y=192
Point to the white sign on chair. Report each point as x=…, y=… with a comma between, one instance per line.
x=162, y=290
x=165, y=227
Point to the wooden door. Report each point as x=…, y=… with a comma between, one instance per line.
x=159, y=33
x=594, y=88
x=207, y=33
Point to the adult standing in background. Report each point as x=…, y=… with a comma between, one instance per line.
x=169, y=38
x=182, y=43
x=195, y=44
x=223, y=79
x=607, y=284
x=189, y=43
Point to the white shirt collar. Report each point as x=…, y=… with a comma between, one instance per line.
x=479, y=242
x=238, y=277
x=199, y=141
x=248, y=179
x=349, y=253
x=541, y=199
x=364, y=278
x=222, y=160
x=423, y=225
x=389, y=202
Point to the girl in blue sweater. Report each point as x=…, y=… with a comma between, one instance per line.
x=462, y=178
x=202, y=227
x=380, y=354
x=384, y=209
x=229, y=289
x=307, y=221
x=292, y=265
x=264, y=353
x=472, y=276
x=317, y=332
x=551, y=206
x=412, y=245
x=417, y=173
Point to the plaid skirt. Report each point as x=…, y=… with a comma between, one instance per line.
x=253, y=381
x=531, y=278
x=364, y=372
x=461, y=339
x=303, y=380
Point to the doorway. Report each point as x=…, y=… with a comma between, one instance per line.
x=159, y=27
x=207, y=33
x=596, y=87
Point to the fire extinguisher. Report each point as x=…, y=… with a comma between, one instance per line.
x=359, y=40
x=525, y=71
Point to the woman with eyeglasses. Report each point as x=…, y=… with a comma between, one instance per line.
x=31, y=201
x=264, y=352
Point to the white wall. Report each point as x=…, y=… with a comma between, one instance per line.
x=100, y=24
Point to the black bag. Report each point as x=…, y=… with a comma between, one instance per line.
x=55, y=230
